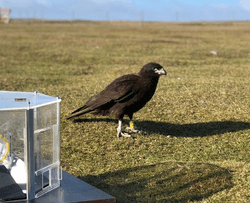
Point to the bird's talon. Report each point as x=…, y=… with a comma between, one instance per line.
x=125, y=135
x=121, y=134
x=134, y=130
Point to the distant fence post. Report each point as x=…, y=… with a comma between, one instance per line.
x=5, y=15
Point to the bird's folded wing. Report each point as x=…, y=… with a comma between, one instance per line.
x=121, y=89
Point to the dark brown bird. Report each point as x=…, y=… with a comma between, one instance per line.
x=124, y=96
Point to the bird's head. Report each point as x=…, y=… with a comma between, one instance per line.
x=152, y=69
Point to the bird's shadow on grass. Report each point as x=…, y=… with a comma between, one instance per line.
x=193, y=129
x=181, y=130
x=163, y=182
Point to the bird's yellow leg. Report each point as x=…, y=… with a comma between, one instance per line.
x=131, y=124
x=132, y=127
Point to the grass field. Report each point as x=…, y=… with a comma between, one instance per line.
x=196, y=148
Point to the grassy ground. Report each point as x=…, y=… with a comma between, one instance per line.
x=198, y=123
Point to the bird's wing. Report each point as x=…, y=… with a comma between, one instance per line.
x=120, y=90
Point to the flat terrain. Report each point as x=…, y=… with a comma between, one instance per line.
x=196, y=146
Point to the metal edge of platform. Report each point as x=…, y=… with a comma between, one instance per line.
x=72, y=189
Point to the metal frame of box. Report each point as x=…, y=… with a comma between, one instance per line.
x=31, y=103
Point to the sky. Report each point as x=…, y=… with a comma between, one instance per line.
x=131, y=10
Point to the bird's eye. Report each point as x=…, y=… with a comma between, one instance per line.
x=156, y=70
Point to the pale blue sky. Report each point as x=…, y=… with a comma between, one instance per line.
x=147, y=10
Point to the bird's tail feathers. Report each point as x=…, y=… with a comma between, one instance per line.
x=80, y=111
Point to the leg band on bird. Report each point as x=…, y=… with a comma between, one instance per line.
x=132, y=127
x=131, y=124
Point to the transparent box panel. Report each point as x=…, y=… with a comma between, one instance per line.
x=45, y=116
x=46, y=148
x=12, y=126
x=43, y=148
x=13, y=129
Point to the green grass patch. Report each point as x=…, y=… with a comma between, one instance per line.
x=196, y=145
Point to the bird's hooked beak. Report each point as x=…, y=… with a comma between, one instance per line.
x=161, y=71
